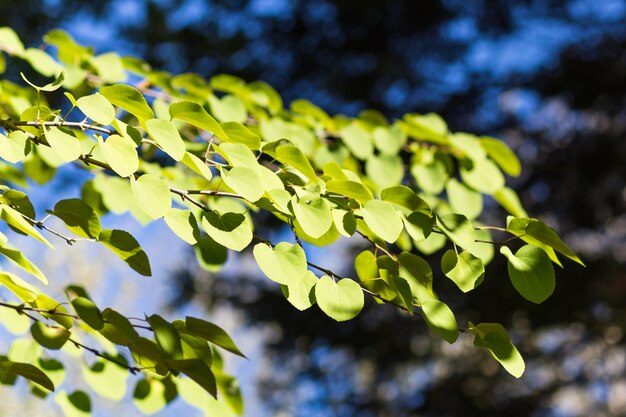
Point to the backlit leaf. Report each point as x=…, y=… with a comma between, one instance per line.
x=342, y=300
x=120, y=153
x=152, y=195
x=229, y=229
x=440, y=319
x=166, y=135
x=211, y=333
x=457, y=228
x=300, y=293
x=79, y=217
x=464, y=269
x=284, y=264
x=126, y=247
x=65, y=146
x=97, y=108
x=531, y=272
x=494, y=338
x=383, y=219
x=129, y=99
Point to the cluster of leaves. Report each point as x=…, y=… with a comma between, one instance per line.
x=207, y=157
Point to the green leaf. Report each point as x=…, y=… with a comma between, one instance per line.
x=405, y=198
x=166, y=135
x=152, y=195
x=76, y=404
x=313, y=214
x=68, y=50
x=440, y=319
x=17, y=324
x=531, y=272
x=210, y=254
x=184, y=224
x=228, y=109
x=18, y=258
x=344, y=221
x=292, y=155
x=152, y=395
x=67, y=147
x=351, y=189
x=198, y=371
x=14, y=148
x=465, y=270
x=43, y=302
x=118, y=329
x=124, y=245
x=389, y=140
x=167, y=337
x=195, y=115
x=307, y=108
x=357, y=140
x=285, y=264
x=30, y=372
x=10, y=42
x=54, y=85
x=494, y=338
x=129, y=99
x=418, y=225
x=43, y=63
x=342, y=300
x=502, y=155
x=107, y=379
x=366, y=266
x=88, y=312
x=229, y=229
x=245, y=182
x=457, y=228
x=509, y=201
x=430, y=177
x=401, y=288
x=417, y=272
x=211, y=333
x=430, y=127
x=385, y=170
x=464, y=200
x=537, y=233
x=300, y=292
x=197, y=165
x=482, y=175
x=15, y=219
x=97, y=108
x=239, y=133
x=18, y=286
x=109, y=67
x=265, y=95
x=383, y=219
x=120, y=153
x=238, y=155
x=276, y=129
x=79, y=217
x=49, y=337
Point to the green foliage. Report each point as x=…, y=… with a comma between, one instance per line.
x=206, y=157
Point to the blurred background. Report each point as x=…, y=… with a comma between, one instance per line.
x=547, y=76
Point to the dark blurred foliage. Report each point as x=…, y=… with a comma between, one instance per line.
x=547, y=76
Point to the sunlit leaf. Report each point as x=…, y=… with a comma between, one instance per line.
x=342, y=300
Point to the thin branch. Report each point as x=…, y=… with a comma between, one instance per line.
x=184, y=194
x=499, y=229
x=69, y=240
x=377, y=246
x=79, y=125
x=133, y=369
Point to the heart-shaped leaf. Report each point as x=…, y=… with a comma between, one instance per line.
x=342, y=300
